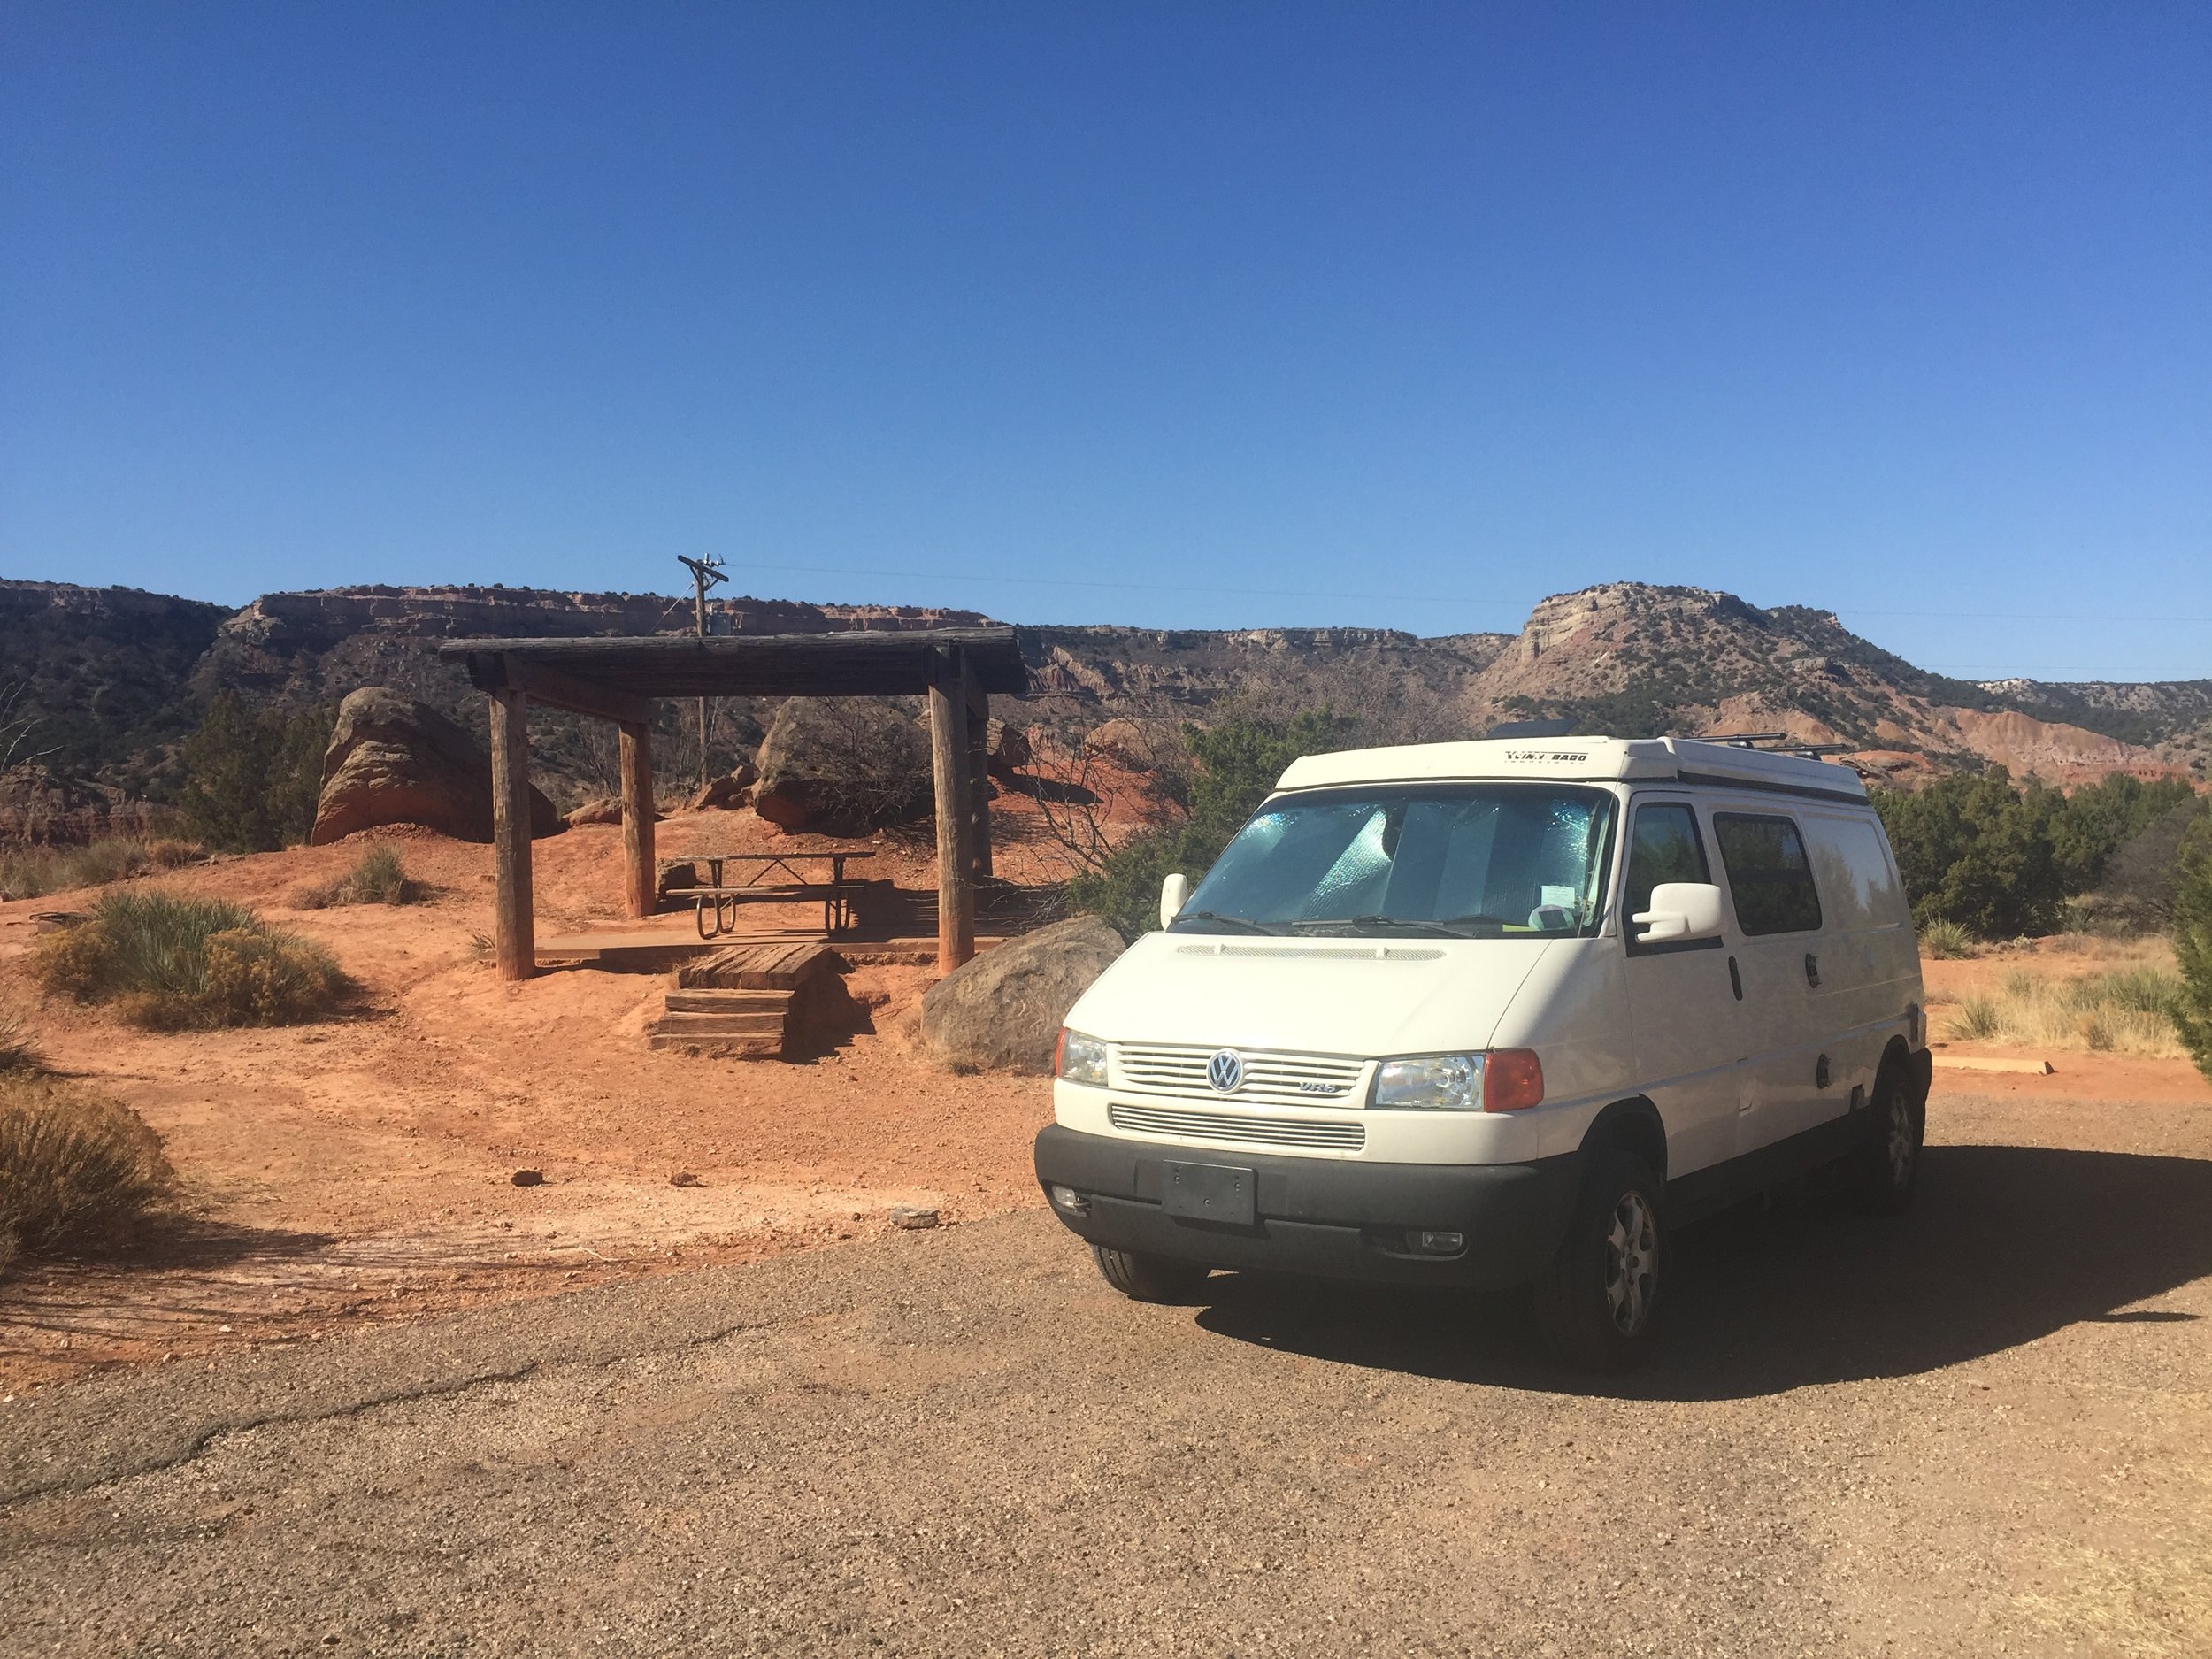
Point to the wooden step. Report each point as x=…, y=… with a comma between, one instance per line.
x=719, y=1025
x=771, y=967
x=717, y=1001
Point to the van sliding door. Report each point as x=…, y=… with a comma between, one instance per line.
x=1778, y=910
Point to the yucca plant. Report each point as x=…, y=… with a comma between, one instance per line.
x=1946, y=942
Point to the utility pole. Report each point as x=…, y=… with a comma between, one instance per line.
x=705, y=573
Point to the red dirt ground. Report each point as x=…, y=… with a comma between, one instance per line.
x=362, y=1167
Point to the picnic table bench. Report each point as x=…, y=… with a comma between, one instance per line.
x=715, y=900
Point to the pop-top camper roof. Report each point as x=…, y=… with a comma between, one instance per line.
x=1581, y=759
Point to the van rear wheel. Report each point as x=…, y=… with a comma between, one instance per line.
x=1887, y=1167
x=1598, y=1300
x=1149, y=1277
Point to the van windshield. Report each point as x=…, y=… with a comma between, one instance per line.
x=1469, y=861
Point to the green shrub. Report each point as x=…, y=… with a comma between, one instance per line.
x=380, y=877
x=77, y=1169
x=252, y=776
x=1946, y=942
x=1125, y=889
x=172, y=961
x=2192, y=943
x=2002, y=861
x=1974, y=850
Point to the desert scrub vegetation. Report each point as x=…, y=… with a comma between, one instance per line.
x=2193, y=942
x=380, y=877
x=171, y=962
x=31, y=872
x=1946, y=942
x=17, y=1052
x=2128, y=1011
x=78, y=1169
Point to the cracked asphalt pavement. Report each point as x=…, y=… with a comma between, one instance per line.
x=1980, y=1429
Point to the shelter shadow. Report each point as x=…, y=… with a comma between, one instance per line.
x=2003, y=1245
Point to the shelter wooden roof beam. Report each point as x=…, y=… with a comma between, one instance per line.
x=559, y=689
x=851, y=663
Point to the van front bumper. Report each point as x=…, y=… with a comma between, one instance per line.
x=1331, y=1217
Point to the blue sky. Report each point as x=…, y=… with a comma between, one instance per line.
x=1198, y=314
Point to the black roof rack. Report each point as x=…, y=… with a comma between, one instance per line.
x=1775, y=743
x=1743, y=740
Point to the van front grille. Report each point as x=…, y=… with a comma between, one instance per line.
x=1269, y=1078
x=1259, y=1132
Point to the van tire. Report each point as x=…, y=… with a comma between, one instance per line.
x=1149, y=1277
x=1887, y=1167
x=1594, y=1315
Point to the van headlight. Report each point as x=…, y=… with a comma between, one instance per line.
x=1502, y=1080
x=1081, y=1059
x=1431, y=1082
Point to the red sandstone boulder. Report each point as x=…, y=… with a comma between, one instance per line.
x=394, y=760
x=728, y=792
x=842, y=766
x=1002, y=1011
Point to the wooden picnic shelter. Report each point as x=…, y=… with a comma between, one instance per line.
x=618, y=679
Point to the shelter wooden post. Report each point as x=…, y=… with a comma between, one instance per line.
x=640, y=892
x=948, y=761
x=978, y=704
x=514, y=938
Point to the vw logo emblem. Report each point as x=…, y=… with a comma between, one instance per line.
x=1225, y=1071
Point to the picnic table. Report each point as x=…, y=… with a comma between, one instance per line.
x=715, y=900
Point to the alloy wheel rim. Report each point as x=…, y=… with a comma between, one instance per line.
x=1631, y=1263
x=1900, y=1147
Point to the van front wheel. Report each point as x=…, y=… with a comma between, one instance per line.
x=1149, y=1277
x=1598, y=1301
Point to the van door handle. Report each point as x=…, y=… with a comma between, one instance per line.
x=1812, y=969
x=1735, y=980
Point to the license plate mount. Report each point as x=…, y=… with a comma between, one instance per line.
x=1209, y=1192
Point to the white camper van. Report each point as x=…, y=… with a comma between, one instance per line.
x=1498, y=1012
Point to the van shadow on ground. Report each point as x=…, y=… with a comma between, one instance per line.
x=2003, y=1245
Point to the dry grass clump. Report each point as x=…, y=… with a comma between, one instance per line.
x=30, y=872
x=77, y=1169
x=171, y=962
x=1946, y=941
x=380, y=877
x=17, y=1052
x=2128, y=1011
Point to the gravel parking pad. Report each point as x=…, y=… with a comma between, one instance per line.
x=1983, y=1428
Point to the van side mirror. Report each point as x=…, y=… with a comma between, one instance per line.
x=1679, y=910
x=1173, y=891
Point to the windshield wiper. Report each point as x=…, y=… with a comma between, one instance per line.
x=1235, y=922
x=1375, y=924
x=1461, y=924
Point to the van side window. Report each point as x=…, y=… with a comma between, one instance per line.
x=1767, y=872
x=1851, y=863
x=1664, y=846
